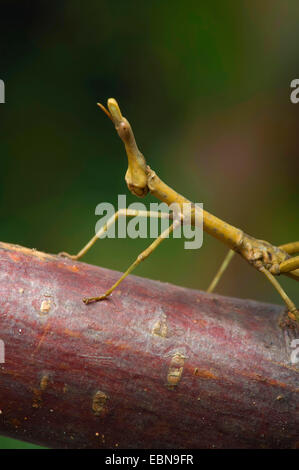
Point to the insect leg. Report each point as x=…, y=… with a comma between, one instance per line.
x=293, y=312
x=221, y=270
x=289, y=265
x=111, y=221
x=290, y=248
x=142, y=256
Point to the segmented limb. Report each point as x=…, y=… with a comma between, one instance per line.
x=289, y=265
x=221, y=270
x=293, y=274
x=290, y=248
x=142, y=256
x=293, y=312
x=109, y=223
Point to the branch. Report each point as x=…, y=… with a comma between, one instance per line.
x=154, y=366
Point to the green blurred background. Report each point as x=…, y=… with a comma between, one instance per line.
x=206, y=87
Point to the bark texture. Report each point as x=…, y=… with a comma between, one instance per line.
x=154, y=366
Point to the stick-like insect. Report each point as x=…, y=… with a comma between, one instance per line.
x=270, y=260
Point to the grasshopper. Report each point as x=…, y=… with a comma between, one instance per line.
x=266, y=258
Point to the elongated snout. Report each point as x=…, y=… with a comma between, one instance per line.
x=136, y=176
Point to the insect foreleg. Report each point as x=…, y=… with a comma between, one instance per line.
x=109, y=223
x=142, y=256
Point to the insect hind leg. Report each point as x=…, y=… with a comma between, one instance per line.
x=293, y=312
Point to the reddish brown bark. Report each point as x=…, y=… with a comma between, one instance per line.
x=154, y=366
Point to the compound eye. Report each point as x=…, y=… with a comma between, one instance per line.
x=123, y=130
